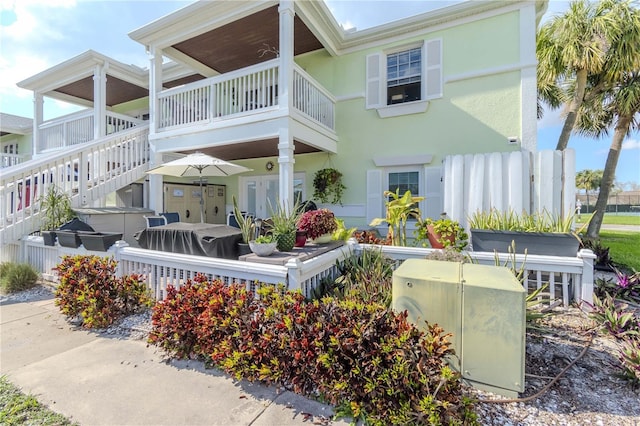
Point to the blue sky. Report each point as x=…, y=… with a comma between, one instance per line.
x=37, y=34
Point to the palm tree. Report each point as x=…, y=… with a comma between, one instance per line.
x=588, y=180
x=573, y=46
x=618, y=107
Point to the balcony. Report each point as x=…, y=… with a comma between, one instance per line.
x=78, y=128
x=248, y=91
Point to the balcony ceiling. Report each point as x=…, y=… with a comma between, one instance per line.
x=238, y=44
x=254, y=149
x=118, y=91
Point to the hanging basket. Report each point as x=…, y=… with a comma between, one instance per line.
x=328, y=186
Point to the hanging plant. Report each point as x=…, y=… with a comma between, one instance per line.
x=328, y=187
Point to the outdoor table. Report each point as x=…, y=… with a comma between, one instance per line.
x=200, y=239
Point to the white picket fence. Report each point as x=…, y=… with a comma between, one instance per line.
x=570, y=278
x=518, y=181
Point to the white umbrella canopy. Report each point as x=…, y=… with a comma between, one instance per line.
x=198, y=164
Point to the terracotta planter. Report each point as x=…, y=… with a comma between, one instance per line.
x=434, y=238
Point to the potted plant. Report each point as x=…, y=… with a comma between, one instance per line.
x=99, y=241
x=318, y=225
x=247, y=228
x=283, y=225
x=328, y=186
x=399, y=210
x=55, y=206
x=441, y=233
x=264, y=245
x=536, y=233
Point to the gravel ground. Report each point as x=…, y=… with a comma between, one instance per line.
x=589, y=393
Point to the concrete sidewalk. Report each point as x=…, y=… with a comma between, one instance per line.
x=101, y=380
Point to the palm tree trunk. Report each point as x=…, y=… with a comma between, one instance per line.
x=572, y=111
x=609, y=174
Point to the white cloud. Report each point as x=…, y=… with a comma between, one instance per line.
x=17, y=68
x=631, y=144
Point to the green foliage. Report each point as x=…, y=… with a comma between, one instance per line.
x=366, y=276
x=625, y=287
x=371, y=237
x=511, y=221
x=349, y=353
x=399, y=210
x=602, y=253
x=328, y=186
x=246, y=224
x=264, y=239
x=90, y=289
x=16, y=277
x=629, y=356
x=624, y=248
x=342, y=233
x=56, y=208
x=449, y=232
x=17, y=409
x=615, y=317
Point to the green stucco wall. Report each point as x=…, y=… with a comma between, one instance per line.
x=476, y=114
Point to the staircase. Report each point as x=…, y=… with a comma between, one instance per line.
x=87, y=172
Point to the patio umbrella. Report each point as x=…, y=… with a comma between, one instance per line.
x=198, y=164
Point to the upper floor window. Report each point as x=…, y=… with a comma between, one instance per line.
x=404, y=74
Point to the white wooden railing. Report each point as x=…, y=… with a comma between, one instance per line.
x=8, y=160
x=78, y=128
x=246, y=91
x=570, y=278
x=310, y=98
x=86, y=173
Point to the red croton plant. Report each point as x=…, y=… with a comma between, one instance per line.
x=317, y=222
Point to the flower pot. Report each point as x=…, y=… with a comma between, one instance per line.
x=68, y=239
x=99, y=241
x=544, y=243
x=49, y=237
x=262, y=249
x=434, y=238
x=243, y=248
x=285, y=242
x=301, y=238
x=323, y=239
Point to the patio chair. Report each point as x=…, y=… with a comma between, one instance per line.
x=171, y=217
x=155, y=221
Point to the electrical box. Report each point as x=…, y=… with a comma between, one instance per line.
x=482, y=306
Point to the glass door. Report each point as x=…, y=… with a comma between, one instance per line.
x=260, y=192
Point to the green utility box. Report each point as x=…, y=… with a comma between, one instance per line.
x=483, y=306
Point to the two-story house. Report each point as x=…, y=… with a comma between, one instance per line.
x=280, y=87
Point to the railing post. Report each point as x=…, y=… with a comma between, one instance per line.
x=294, y=275
x=586, y=284
x=115, y=249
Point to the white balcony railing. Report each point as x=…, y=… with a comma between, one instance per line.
x=249, y=90
x=8, y=160
x=78, y=128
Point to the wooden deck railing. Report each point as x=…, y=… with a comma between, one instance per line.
x=570, y=278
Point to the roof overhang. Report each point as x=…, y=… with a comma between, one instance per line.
x=15, y=124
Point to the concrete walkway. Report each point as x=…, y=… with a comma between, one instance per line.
x=101, y=380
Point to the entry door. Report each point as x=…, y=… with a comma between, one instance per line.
x=258, y=192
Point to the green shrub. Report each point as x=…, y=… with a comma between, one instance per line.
x=369, y=361
x=366, y=276
x=15, y=277
x=90, y=289
x=629, y=355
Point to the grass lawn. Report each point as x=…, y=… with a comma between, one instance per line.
x=613, y=219
x=624, y=247
x=17, y=408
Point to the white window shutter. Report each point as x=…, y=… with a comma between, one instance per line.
x=375, y=80
x=374, y=195
x=432, y=63
x=433, y=192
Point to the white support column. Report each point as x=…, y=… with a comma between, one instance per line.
x=285, y=167
x=285, y=74
x=38, y=118
x=155, y=87
x=99, y=101
x=155, y=181
x=585, y=292
x=528, y=88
